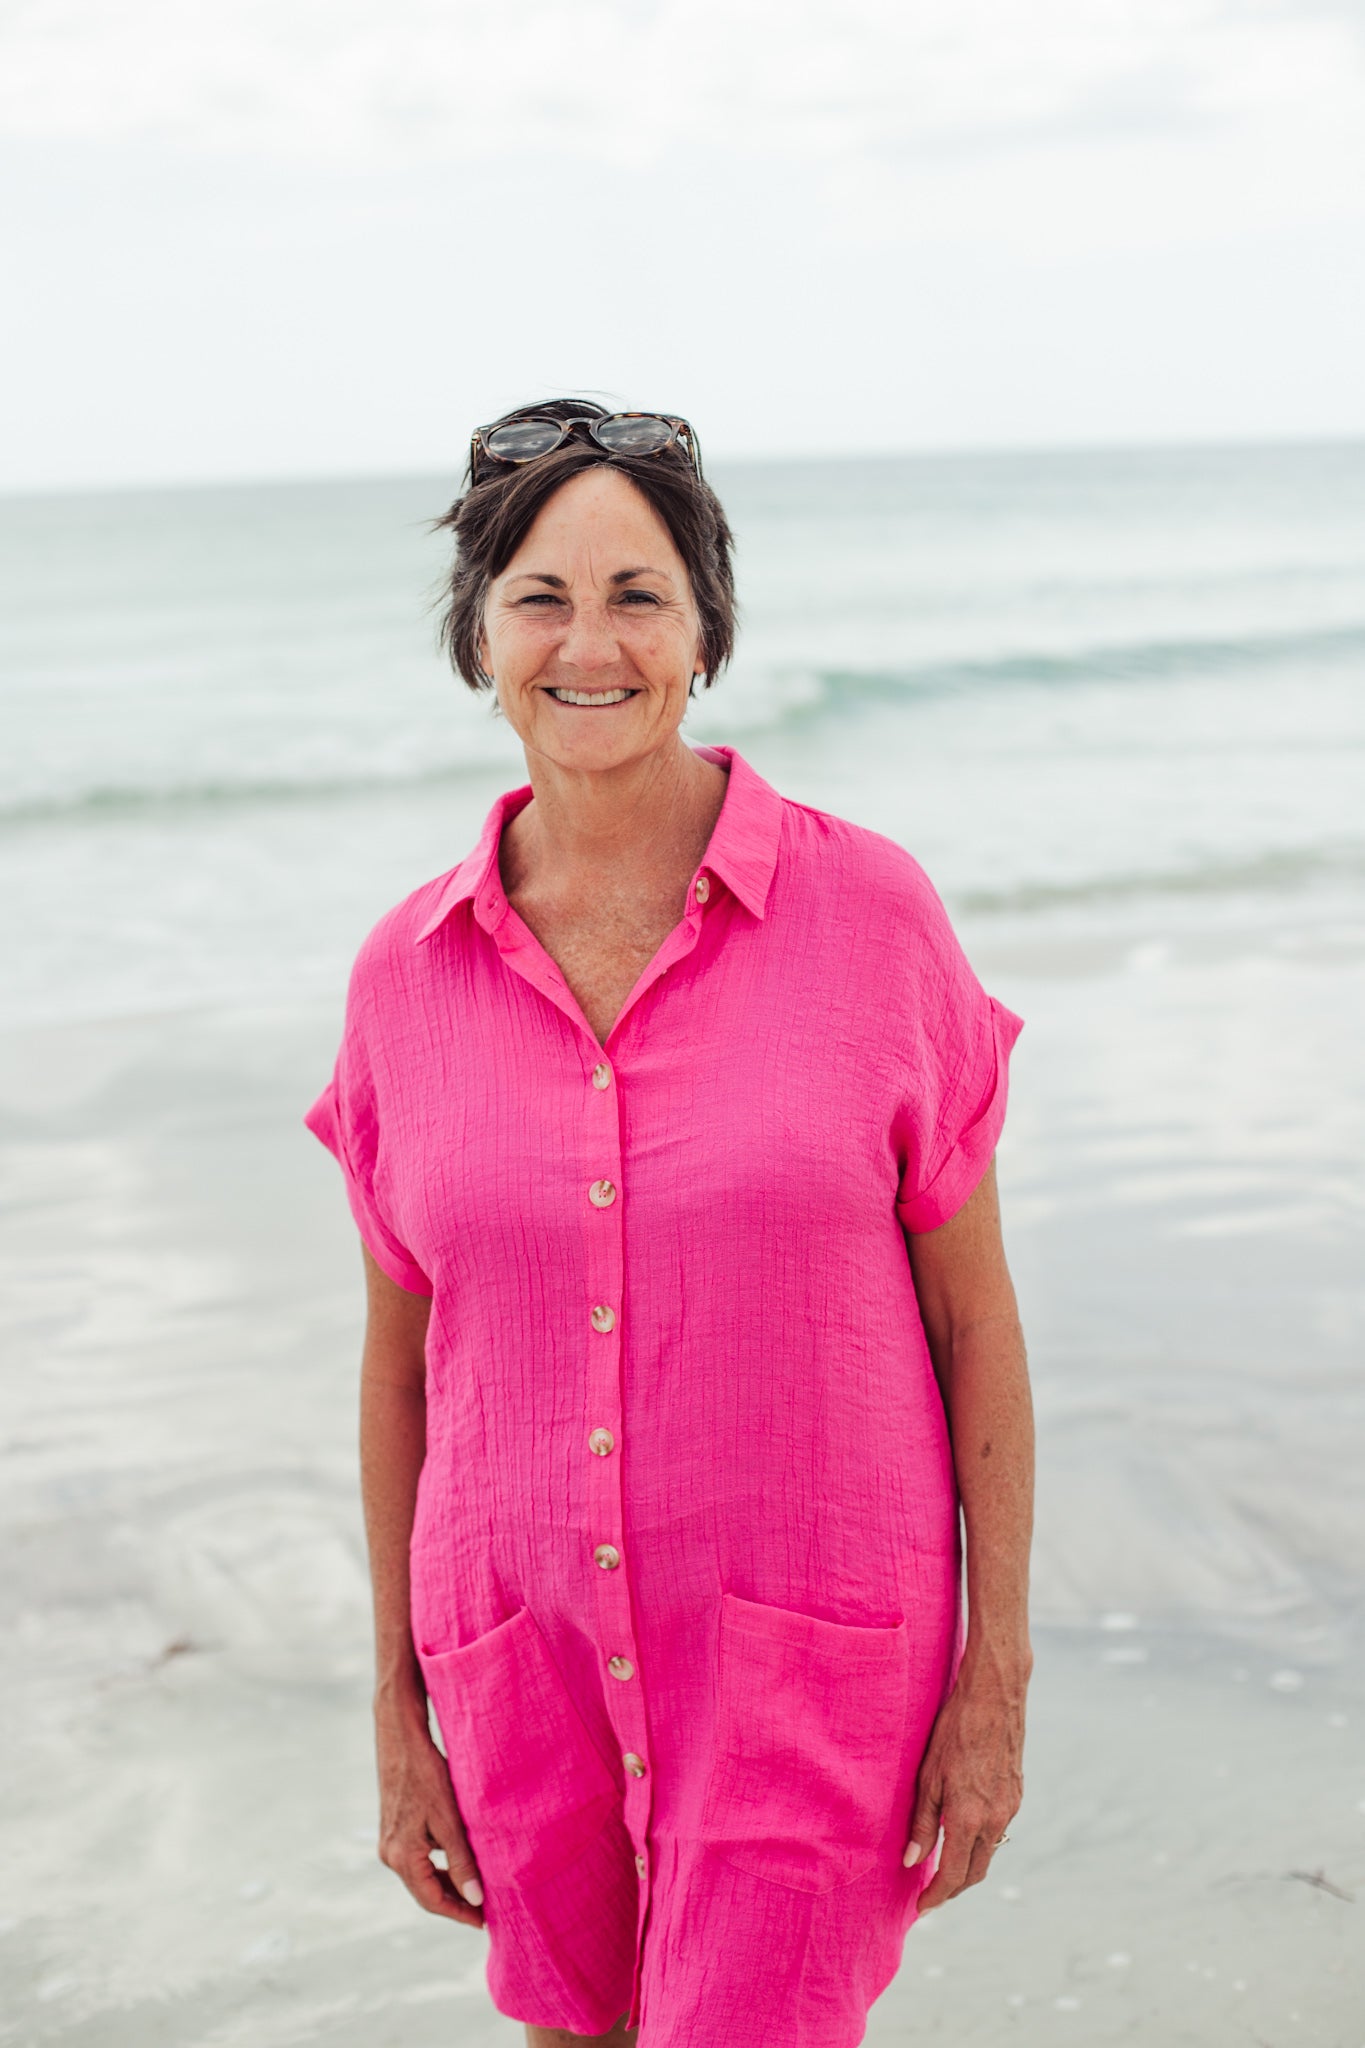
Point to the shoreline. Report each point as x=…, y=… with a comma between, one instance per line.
x=185, y=1628
x=1188, y=1866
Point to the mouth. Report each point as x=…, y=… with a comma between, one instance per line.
x=591, y=700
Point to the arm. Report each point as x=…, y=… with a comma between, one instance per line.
x=417, y=1803
x=972, y=1779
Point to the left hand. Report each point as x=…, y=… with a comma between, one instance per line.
x=971, y=1781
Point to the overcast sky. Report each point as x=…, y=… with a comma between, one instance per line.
x=301, y=237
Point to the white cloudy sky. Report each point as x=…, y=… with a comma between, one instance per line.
x=275, y=237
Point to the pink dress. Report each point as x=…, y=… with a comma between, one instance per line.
x=686, y=1559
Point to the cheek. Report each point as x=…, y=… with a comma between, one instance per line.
x=665, y=646
x=518, y=647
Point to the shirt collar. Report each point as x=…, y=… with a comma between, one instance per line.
x=742, y=851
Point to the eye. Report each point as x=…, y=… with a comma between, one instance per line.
x=537, y=599
x=639, y=597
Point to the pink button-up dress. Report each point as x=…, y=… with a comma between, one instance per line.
x=686, y=1559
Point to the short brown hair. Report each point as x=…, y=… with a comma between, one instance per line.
x=493, y=516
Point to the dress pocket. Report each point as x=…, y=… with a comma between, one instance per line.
x=810, y=1735
x=529, y=1781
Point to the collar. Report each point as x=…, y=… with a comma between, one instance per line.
x=741, y=852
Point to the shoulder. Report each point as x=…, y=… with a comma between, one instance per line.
x=389, y=959
x=855, y=868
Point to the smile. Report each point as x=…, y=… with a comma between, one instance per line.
x=592, y=698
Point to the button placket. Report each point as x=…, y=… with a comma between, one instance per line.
x=602, y=1440
x=605, y=1324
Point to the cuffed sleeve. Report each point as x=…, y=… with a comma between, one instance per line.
x=344, y=1117
x=965, y=1145
x=956, y=1079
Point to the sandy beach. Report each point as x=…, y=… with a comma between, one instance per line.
x=186, y=1796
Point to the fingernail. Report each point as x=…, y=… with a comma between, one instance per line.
x=913, y=1853
x=473, y=1891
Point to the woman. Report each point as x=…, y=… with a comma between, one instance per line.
x=668, y=1118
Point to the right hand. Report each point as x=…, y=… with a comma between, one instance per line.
x=417, y=1813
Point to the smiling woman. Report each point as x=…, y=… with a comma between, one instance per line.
x=491, y=520
x=668, y=1120
x=565, y=629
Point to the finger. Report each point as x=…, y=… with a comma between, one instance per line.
x=924, y=1826
x=950, y=1876
x=435, y=1893
x=980, y=1860
x=408, y=1854
x=453, y=1850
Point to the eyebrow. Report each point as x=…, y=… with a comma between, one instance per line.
x=558, y=583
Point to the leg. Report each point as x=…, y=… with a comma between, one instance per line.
x=558, y=2037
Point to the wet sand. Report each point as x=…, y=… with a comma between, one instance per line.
x=186, y=1794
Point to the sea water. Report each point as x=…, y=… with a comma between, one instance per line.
x=1075, y=685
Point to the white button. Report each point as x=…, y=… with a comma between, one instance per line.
x=601, y=1076
x=603, y=1318
x=601, y=1194
x=634, y=1764
x=640, y=1866
x=620, y=1667
x=607, y=1555
x=601, y=1443
x=703, y=888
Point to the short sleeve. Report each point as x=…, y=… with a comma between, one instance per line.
x=345, y=1118
x=957, y=1078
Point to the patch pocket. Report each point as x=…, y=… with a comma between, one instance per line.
x=812, y=1723
x=529, y=1781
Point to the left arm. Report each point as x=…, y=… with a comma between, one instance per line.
x=971, y=1779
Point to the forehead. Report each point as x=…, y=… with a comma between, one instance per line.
x=597, y=514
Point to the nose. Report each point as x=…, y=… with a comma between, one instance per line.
x=589, y=641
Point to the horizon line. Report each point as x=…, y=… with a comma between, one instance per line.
x=791, y=458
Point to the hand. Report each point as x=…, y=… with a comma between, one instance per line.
x=418, y=1814
x=971, y=1782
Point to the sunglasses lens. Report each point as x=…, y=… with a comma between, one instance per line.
x=522, y=440
x=626, y=436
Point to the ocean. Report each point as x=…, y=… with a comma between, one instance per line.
x=1115, y=704
x=1087, y=690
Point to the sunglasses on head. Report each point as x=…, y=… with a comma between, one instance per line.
x=620, y=433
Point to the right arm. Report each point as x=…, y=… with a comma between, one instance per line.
x=417, y=1810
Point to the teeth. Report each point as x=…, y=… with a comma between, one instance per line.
x=592, y=696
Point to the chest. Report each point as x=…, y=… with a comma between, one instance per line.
x=730, y=1093
x=603, y=949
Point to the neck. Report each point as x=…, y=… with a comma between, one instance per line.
x=647, y=814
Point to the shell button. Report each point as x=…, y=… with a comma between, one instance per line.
x=634, y=1764
x=620, y=1667
x=601, y=1443
x=607, y=1555
x=603, y=1318
x=601, y=1194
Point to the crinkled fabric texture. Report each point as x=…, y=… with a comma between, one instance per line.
x=686, y=1556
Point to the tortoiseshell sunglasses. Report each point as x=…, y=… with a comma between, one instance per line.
x=620, y=433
